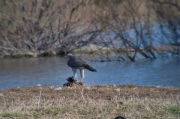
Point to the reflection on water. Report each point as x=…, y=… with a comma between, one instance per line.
x=53, y=71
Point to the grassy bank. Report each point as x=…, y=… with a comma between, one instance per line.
x=101, y=102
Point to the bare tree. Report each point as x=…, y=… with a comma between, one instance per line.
x=44, y=26
x=130, y=29
x=167, y=13
x=112, y=29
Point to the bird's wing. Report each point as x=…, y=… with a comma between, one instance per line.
x=76, y=62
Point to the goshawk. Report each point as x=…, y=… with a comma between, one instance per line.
x=78, y=63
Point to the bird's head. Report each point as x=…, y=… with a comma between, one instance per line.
x=68, y=55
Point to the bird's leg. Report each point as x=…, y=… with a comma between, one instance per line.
x=82, y=74
x=75, y=73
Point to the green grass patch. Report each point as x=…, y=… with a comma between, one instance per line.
x=64, y=109
x=174, y=110
x=11, y=114
x=51, y=111
x=108, y=110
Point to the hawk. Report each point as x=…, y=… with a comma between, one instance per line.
x=78, y=63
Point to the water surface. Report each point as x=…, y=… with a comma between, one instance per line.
x=53, y=71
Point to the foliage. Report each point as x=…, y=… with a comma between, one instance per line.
x=125, y=29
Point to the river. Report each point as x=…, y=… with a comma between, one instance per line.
x=53, y=71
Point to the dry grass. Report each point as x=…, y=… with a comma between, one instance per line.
x=91, y=102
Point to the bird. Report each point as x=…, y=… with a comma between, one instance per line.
x=78, y=63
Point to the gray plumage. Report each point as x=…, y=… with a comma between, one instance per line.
x=79, y=63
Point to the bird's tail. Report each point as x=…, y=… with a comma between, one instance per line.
x=88, y=67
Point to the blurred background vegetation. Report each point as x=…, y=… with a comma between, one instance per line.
x=124, y=29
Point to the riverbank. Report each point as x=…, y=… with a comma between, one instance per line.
x=93, y=50
x=106, y=101
x=33, y=54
